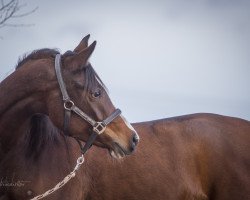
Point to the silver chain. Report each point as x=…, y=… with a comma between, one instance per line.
x=66, y=179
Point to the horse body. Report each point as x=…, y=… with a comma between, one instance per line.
x=201, y=156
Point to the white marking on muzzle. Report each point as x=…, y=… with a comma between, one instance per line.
x=130, y=127
x=115, y=155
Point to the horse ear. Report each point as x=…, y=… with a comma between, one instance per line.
x=80, y=59
x=83, y=44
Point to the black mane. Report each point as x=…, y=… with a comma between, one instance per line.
x=40, y=133
x=37, y=54
x=92, y=80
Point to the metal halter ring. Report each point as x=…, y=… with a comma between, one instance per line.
x=68, y=105
x=99, y=127
x=80, y=160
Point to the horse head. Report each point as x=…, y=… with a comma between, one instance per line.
x=87, y=101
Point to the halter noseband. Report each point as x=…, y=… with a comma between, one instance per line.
x=69, y=106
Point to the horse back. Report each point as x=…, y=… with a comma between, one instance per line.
x=208, y=153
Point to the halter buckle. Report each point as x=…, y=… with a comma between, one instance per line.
x=68, y=105
x=99, y=127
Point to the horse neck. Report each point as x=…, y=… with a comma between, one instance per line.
x=18, y=86
x=21, y=97
x=42, y=147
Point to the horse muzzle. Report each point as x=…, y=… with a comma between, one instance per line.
x=118, y=151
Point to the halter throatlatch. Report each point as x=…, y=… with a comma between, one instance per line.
x=69, y=106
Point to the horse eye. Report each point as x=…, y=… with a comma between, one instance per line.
x=96, y=94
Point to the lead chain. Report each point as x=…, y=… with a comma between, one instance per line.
x=66, y=179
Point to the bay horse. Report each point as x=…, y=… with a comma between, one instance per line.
x=193, y=157
x=199, y=156
x=46, y=82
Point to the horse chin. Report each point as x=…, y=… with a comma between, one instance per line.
x=116, y=155
x=117, y=152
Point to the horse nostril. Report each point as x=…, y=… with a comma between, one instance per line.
x=134, y=142
x=135, y=139
x=132, y=148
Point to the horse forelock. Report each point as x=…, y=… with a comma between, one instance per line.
x=92, y=80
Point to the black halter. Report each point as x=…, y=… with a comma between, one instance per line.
x=69, y=106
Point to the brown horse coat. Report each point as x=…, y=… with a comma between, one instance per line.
x=41, y=159
x=200, y=156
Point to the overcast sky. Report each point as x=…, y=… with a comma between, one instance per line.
x=158, y=58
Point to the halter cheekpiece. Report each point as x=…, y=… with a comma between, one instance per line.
x=69, y=106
